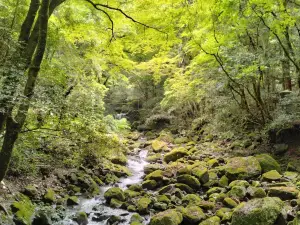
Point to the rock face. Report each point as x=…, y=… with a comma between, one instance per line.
x=264, y=211
x=168, y=217
x=242, y=168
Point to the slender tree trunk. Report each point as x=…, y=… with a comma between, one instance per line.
x=14, y=125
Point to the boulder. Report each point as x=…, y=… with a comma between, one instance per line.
x=215, y=220
x=143, y=204
x=193, y=214
x=262, y=211
x=201, y=173
x=189, y=180
x=114, y=192
x=49, y=197
x=115, y=203
x=152, y=167
x=149, y=184
x=272, y=175
x=230, y=202
x=157, y=175
x=168, y=217
x=73, y=200
x=31, y=191
x=158, y=146
x=284, y=193
x=81, y=218
x=237, y=192
x=242, y=168
x=267, y=163
x=175, y=154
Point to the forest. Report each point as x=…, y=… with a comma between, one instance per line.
x=165, y=112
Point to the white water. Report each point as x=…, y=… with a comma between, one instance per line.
x=96, y=206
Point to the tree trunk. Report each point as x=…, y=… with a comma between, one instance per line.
x=14, y=125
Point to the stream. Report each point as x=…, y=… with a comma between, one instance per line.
x=97, y=210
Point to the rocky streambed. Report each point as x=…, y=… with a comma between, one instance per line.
x=173, y=181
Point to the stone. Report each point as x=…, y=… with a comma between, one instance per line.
x=189, y=180
x=270, y=176
x=267, y=163
x=175, y=154
x=149, y=184
x=256, y=192
x=192, y=199
x=158, y=146
x=242, y=183
x=115, y=203
x=261, y=211
x=214, y=220
x=230, y=202
x=143, y=204
x=284, y=193
x=193, y=214
x=242, y=168
x=49, y=197
x=237, y=192
x=72, y=200
x=201, y=173
x=152, y=167
x=168, y=217
x=31, y=191
x=81, y=218
x=181, y=140
x=157, y=175
x=114, y=192
x=129, y=194
x=223, y=182
x=136, y=218
x=212, y=163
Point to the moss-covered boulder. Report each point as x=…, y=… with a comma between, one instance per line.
x=223, y=182
x=175, y=154
x=189, y=180
x=136, y=218
x=81, y=218
x=201, y=173
x=184, y=187
x=31, y=191
x=115, y=203
x=242, y=168
x=120, y=159
x=237, y=192
x=158, y=146
x=181, y=140
x=214, y=220
x=230, y=202
x=143, y=204
x=267, y=163
x=262, y=211
x=192, y=199
x=212, y=163
x=149, y=184
x=242, y=183
x=149, y=168
x=256, y=192
x=193, y=214
x=168, y=217
x=156, y=175
x=284, y=193
x=72, y=200
x=114, y=192
x=49, y=197
x=153, y=158
x=129, y=194
x=23, y=210
x=272, y=175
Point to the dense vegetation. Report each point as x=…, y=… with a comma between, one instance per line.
x=77, y=76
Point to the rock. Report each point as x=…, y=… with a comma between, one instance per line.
x=189, y=180
x=163, y=198
x=152, y=167
x=160, y=206
x=256, y=192
x=73, y=200
x=131, y=194
x=115, y=203
x=157, y=175
x=225, y=214
x=158, y=146
x=42, y=217
x=143, y=204
x=237, y=192
x=193, y=214
x=49, y=197
x=168, y=217
x=175, y=154
x=113, y=220
x=153, y=158
x=215, y=220
x=293, y=176
x=262, y=211
x=284, y=193
x=181, y=140
x=272, y=175
x=223, y=182
x=230, y=202
x=267, y=163
x=215, y=190
x=280, y=149
x=81, y=218
x=201, y=173
x=116, y=193
x=243, y=183
x=242, y=168
x=31, y=191
x=149, y=184
x=192, y=199
x=136, y=218
x=184, y=187
x=212, y=163
x=23, y=210
x=135, y=187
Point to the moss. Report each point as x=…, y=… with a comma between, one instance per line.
x=224, y=213
x=193, y=214
x=230, y=203
x=158, y=146
x=242, y=183
x=49, y=197
x=272, y=175
x=157, y=175
x=81, y=218
x=120, y=159
x=111, y=178
x=263, y=211
x=181, y=140
x=131, y=208
x=237, y=192
x=207, y=205
x=131, y=194
x=201, y=173
x=143, y=204
x=223, y=182
x=149, y=184
x=242, y=168
x=175, y=154
x=31, y=191
x=212, y=163
x=23, y=210
x=215, y=190
x=293, y=176
x=136, y=218
x=114, y=192
x=163, y=198
x=115, y=203
x=152, y=167
x=184, y=187
x=170, y=217
x=211, y=221
x=73, y=200
x=191, y=181
x=267, y=163
x=192, y=199
x=153, y=158
x=284, y=193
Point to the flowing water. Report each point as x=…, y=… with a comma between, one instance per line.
x=96, y=208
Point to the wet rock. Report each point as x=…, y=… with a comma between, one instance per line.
x=267, y=163
x=114, y=192
x=149, y=184
x=81, y=218
x=115, y=203
x=215, y=220
x=73, y=200
x=175, y=154
x=263, y=211
x=242, y=168
x=170, y=217
x=42, y=217
x=131, y=194
x=114, y=220
x=135, y=187
x=136, y=218
x=189, y=180
x=143, y=204
x=270, y=176
x=153, y=158
x=284, y=193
